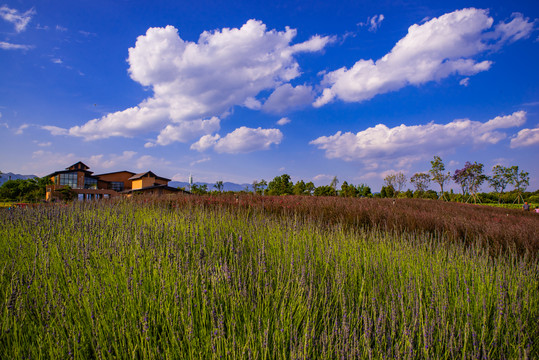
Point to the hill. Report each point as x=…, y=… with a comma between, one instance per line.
x=11, y=176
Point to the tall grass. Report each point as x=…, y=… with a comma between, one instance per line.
x=182, y=279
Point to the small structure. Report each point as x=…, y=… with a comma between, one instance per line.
x=149, y=183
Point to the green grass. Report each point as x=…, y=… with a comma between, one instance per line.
x=512, y=206
x=125, y=280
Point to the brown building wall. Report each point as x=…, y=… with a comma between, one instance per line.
x=120, y=176
x=103, y=184
x=161, y=182
x=80, y=179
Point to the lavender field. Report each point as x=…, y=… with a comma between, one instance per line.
x=267, y=278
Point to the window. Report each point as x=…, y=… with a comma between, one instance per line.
x=90, y=183
x=69, y=179
x=117, y=185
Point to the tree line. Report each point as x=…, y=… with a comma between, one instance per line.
x=470, y=179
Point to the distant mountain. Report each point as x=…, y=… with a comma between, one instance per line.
x=11, y=176
x=227, y=186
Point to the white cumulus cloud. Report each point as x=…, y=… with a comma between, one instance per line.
x=287, y=97
x=241, y=140
x=201, y=80
x=187, y=130
x=20, y=20
x=526, y=137
x=429, y=52
x=402, y=143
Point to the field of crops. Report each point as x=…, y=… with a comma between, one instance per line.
x=268, y=278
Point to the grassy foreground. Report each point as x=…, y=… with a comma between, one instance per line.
x=150, y=280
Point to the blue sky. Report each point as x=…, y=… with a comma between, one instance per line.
x=243, y=91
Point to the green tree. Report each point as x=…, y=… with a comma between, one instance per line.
x=364, y=190
x=501, y=177
x=199, y=189
x=299, y=188
x=309, y=188
x=438, y=174
x=219, y=185
x=325, y=190
x=520, y=180
x=461, y=177
x=256, y=186
x=348, y=190
x=421, y=182
x=387, y=192
x=390, y=181
x=476, y=179
x=259, y=186
x=280, y=185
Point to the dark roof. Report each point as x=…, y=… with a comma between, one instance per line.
x=151, y=174
x=86, y=173
x=77, y=167
x=117, y=172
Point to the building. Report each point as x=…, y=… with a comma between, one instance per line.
x=149, y=183
x=87, y=186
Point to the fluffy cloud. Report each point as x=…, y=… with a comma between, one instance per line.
x=241, y=140
x=526, y=137
x=286, y=97
x=283, y=121
x=431, y=51
x=187, y=130
x=518, y=28
x=411, y=142
x=9, y=46
x=16, y=18
x=193, y=81
x=205, y=142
